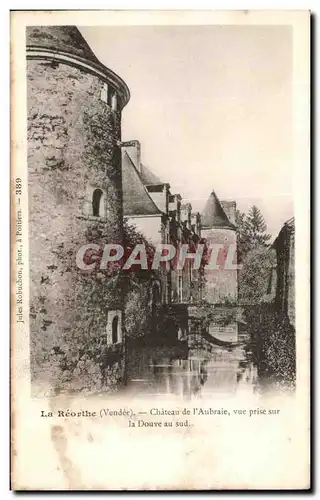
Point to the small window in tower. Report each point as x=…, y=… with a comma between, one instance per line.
x=115, y=322
x=114, y=101
x=110, y=94
x=96, y=202
x=104, y=93
x=114, y=327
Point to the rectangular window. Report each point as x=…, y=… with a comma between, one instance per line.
x=110, y=94
x=114, y=327
x=114, y=102
x=104, y=93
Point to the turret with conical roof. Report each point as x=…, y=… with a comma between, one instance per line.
x=219, y=232
x=213, y=214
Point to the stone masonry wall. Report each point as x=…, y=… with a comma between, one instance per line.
x=71, y=151
x=220, y=284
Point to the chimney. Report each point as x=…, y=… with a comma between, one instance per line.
x=174, y=205
x=186, y=214
x=134, y=150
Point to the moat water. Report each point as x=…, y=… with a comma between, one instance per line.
x=177, y=371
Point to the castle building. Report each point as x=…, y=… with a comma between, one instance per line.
x=75, y=198
x=161, y=217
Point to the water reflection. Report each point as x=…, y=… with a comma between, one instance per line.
x=172, y=371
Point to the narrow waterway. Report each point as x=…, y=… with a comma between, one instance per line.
x=190, y=373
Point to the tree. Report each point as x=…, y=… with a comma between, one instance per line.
x=243, y=243
x=256, y=228
x=251, y=231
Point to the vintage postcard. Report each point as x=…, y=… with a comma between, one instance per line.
x=160, y=250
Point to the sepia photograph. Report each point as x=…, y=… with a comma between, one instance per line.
x=222, y=318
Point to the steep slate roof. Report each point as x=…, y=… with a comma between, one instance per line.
x=149, y=178
x=213, y=214
x=136, y=199
x=60, y=38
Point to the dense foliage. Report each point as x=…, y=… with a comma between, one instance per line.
x=255, y=275
x=274, y=344
x=255, y=255
x=251, y=231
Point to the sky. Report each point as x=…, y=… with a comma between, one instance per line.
x=211, y=106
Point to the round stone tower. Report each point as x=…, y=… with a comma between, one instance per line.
x=75, y=198
x=216, y=227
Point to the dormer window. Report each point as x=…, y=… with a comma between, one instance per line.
x=97, y=208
